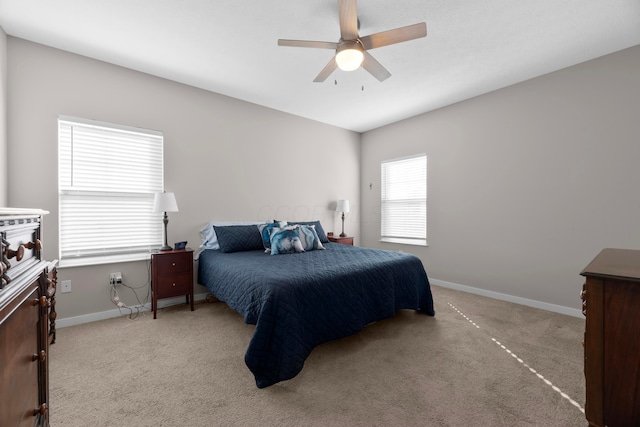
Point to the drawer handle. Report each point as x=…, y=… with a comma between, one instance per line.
x=583, y=297
x=35, y=244
x=42, y=301
x=42, y=356
x=173, y=264
x=41, y=410
x=174, y=285
x=17, y=254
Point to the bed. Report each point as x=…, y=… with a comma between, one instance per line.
x=299, y=300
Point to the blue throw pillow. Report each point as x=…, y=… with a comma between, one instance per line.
x=208, y=233
x=238, y=238
x=319, y=229
x=309, y=238
x=285, y=241
x=265, y=233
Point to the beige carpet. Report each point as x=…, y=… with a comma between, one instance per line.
x=478, y=362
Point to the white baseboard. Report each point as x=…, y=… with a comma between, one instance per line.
x=92, y=317
x=510, y=298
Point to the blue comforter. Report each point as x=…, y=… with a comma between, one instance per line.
x=301, y=300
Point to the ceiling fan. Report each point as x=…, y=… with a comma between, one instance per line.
x=351, y=50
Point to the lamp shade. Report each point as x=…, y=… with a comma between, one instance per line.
x=165, y=202
x=342, y=206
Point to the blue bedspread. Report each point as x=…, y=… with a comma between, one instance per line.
x=301, y=300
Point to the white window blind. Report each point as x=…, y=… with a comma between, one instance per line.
x=107, y=175
x=404, y=200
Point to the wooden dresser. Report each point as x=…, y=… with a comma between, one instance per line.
x=27, y=317
x=611, y=304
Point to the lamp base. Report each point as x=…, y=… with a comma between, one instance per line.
x=165, y=247
x=343, y=235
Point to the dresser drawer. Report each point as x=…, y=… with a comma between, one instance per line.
x=20, y=391
x=19, y=247
x=173, y=263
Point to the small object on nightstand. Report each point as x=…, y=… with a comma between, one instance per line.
x=180, y=245
x=346, y=240
x=172, y=276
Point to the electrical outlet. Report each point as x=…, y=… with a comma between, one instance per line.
x=65, y=286
x=115, y=278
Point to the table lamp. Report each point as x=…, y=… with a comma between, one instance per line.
x=342, y=206
x=165, y=202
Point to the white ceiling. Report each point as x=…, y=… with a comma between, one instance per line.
x=230, y=47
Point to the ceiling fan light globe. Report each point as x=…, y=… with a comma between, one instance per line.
x=350, y=58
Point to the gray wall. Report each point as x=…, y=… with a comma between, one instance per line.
x=526, y=184
x=225, y=159
x=3, y=118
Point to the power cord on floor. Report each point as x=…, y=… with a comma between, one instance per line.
x=135, y=310
x=139, y=308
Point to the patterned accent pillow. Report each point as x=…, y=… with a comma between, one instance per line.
x=265, y=233
x=319, y=229
x=309, y=238
x=238, y=238
x=285, y=241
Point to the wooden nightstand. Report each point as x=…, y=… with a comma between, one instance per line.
x=171, y=276
x=344, y=240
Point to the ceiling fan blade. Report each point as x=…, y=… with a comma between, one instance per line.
x=307, y=43
x=326, y=71
x=397, y=35
x=348, y=12
x=374, y=67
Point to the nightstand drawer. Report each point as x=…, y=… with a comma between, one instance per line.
x=173, y=285
x=174, y=263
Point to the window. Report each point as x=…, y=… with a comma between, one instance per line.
x=404, y=200
x=107, y=177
